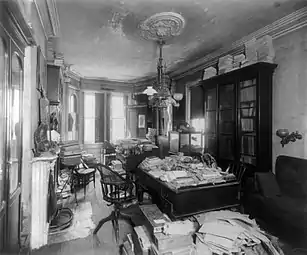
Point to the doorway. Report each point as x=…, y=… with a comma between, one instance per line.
x=11, y=93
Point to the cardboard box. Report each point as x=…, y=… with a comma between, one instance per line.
x=142, y=241
x=187, y=250
x=154, y=217
x=168, y=242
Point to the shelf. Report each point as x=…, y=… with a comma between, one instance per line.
x=226, y=109
x=247, y=154
x=227, y=134
x=247, y=133
x=248, y=117
x=246, y=87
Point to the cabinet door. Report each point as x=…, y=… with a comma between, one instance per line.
x=247, y=107
x=15, y=147
x=3, y=169
x=210, y=121
x=226, y=135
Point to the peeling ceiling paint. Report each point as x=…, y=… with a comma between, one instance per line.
x=100, y=38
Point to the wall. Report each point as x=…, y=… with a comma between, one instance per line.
x=290, y=92
x=179, y=113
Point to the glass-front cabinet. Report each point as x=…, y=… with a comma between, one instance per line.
x=238, y=116
x=189, y=143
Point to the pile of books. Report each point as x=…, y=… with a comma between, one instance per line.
x=225, y=64
x=209, y=72
x=152, y=237
x=238, y=60
x=259, y=50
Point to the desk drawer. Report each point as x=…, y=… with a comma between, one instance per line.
x=197, y=201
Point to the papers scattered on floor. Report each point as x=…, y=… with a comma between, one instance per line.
x=227, y=232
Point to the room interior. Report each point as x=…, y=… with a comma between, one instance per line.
x=99, y=95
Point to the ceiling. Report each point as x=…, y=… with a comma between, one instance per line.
x=100, y=38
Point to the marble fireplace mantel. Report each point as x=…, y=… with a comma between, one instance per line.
x=41, y=167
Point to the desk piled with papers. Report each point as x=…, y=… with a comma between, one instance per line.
x=182, y=171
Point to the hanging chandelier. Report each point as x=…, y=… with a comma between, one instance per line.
x=160, y=27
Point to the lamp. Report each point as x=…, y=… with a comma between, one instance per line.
x=286, y=137
x=162, y=97
x=150, y=91
x=161, y=27
x=178, y=96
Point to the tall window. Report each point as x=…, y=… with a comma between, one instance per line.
x=73, y=118
x=95, y=117
x=118, y=120
x=89, y=117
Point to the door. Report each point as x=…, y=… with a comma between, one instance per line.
x=3, y=96
x=14, y=148
x=11, y=86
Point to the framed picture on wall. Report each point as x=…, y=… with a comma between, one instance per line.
x=141, y=121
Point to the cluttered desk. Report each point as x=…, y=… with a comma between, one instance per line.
x=183, y=186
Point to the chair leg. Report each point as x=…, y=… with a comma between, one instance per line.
x=116, y=229
x=84, y=185
x=103, y=221
x=94, y=177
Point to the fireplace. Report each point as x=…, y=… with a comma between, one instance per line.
x=42, y=168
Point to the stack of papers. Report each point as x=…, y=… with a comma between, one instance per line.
x=227, y=232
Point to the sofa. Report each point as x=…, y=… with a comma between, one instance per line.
x=280, y=200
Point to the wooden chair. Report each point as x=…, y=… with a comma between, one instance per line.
x=109, y=153
x=239, y=170
x=117, y=191
x=83, y=175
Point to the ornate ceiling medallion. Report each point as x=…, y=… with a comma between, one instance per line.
x=162, y=26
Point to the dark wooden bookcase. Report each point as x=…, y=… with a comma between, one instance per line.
x=238, y=116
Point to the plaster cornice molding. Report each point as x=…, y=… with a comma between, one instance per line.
x=193, y=83
x=37, y=9
x=73, y=75
x=281, y=27
x=54, y=18
x=22, y=28
x=104, y=85
x=99, y=81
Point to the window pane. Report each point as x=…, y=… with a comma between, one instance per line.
x=118, y=108
x=198, y=124
x=89, y=105
x=118, y=129
x=89, y=130
x=3, y=76
x=15, y=142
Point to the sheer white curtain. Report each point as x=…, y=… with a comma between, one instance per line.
x=118, y=118
x=89, y=117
